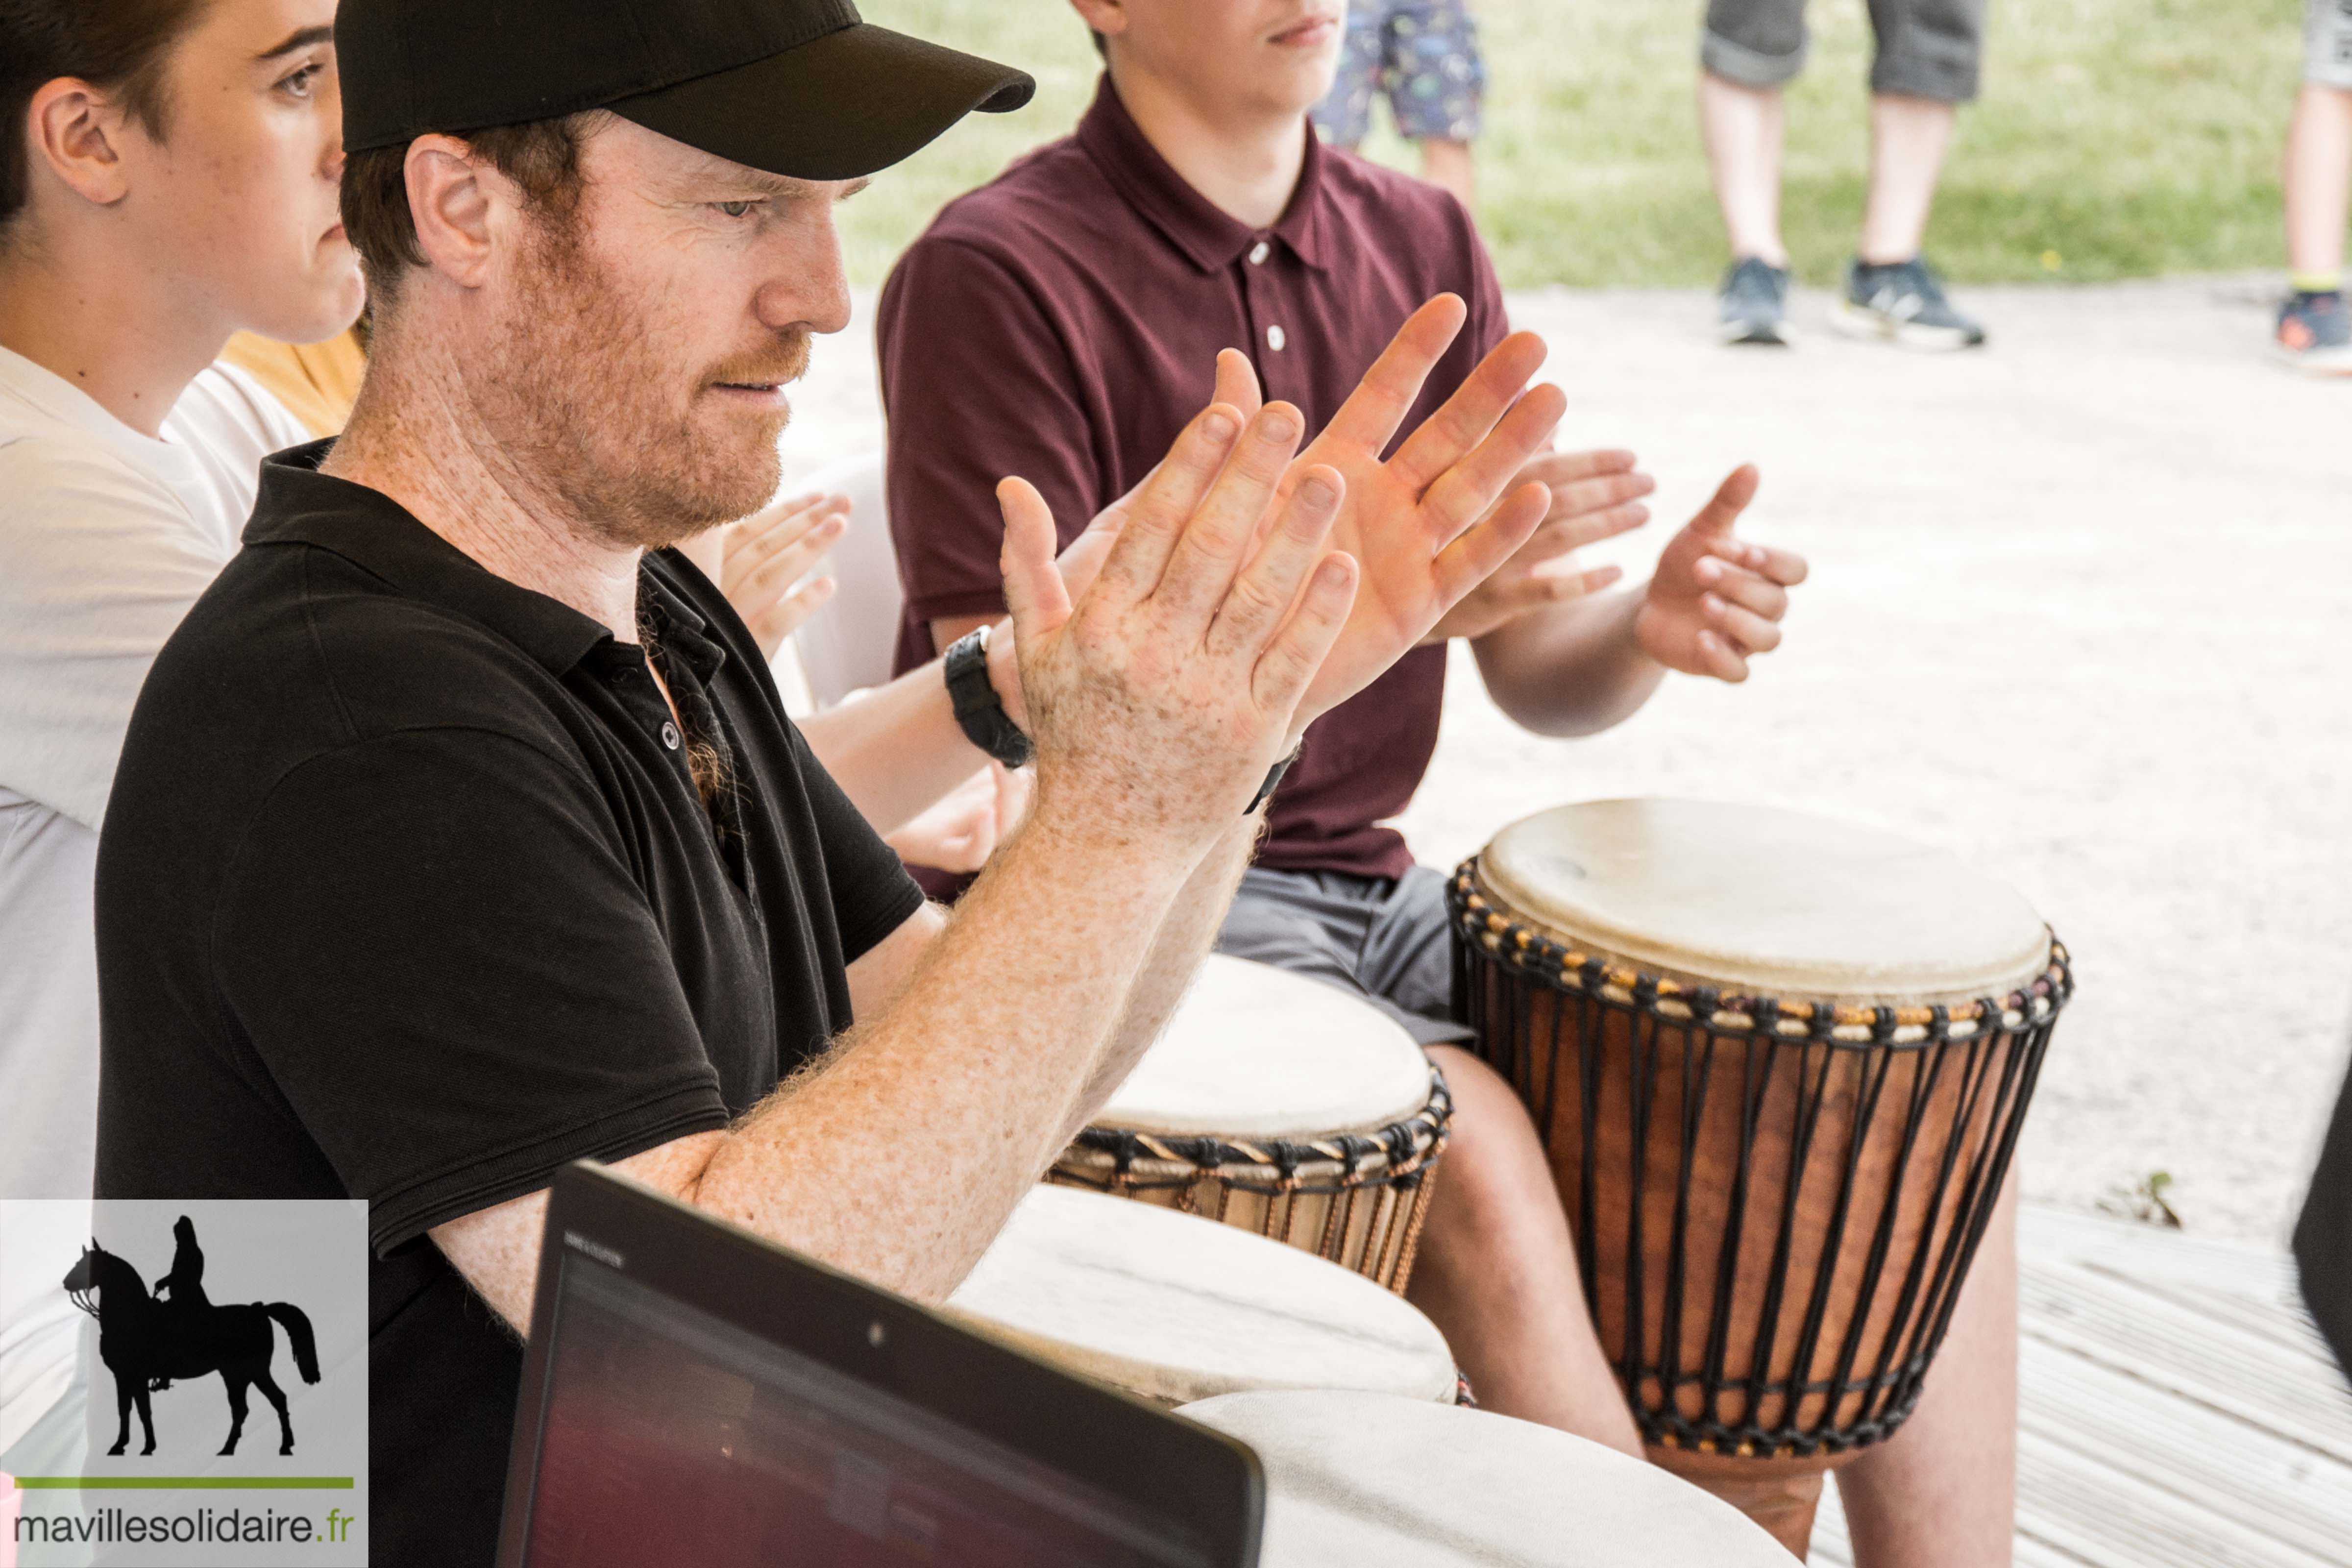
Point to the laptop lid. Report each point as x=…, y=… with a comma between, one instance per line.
x=695, y=1393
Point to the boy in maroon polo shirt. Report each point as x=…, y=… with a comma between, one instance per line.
x=1059, y=323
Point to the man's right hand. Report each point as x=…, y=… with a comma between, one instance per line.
x=1158, y=698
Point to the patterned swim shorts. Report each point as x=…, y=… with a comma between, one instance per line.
x=1422, y=54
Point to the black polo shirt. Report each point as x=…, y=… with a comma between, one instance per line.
x=405, y=893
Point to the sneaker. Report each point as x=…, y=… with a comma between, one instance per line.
x=1755, y=303
x=1903, y=303
x=2315, y=334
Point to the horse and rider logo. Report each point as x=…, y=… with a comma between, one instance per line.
x=151, y=1341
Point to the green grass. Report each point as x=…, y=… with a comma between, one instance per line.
x=2116, y=138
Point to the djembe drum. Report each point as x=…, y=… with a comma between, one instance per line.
x=1780, y=1065
x=1369, y=1480
x=1173, y=1307
x=1284, y=1106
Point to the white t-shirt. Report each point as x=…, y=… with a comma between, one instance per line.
x=107, y=536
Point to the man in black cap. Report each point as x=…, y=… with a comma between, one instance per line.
x=459, y=832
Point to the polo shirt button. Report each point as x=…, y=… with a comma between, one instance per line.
x=1259, y=252
x=1273, y=339
x=670, y=734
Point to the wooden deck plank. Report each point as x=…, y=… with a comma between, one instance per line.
x=2109, y=1518
x=2225, y=1268
x=2290, y=1326
x=2189, y=1355
x=2177, y=1408
x=1832, y=1547
x=2247, y=1480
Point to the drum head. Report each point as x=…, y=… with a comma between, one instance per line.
x=1378, y=1482
x=1770, y=902
x=1254, y=1051
x=1174, y=1306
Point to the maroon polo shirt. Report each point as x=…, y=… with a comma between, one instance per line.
x=1062, y=323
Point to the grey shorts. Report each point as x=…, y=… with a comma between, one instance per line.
x=1927, y=49
x=1390, y=944
x=2327, y=42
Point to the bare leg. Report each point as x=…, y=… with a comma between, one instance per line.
x=2318, y=178
x=1907, y=139
x=1447, y=164
x=1743, y=128
x=1942, y=1492
x=1498, y=1271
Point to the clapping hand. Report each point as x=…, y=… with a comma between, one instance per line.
x=1594, y=496
x=1432, y=522
x=1717, y=600
x=963, y=829
x=767, y=553
x=1160, y=695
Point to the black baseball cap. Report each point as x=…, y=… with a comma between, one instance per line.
x=800, y=88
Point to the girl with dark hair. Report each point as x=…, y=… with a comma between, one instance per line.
x=168, y=173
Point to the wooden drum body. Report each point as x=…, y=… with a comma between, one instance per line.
x=1781, y=1066
x=1284, y=1106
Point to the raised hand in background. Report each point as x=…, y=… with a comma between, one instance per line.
x=1717, y=600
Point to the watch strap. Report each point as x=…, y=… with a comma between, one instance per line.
x=1273, y=778
x=979, y=713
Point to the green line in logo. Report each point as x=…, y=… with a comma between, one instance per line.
x=185, y=1483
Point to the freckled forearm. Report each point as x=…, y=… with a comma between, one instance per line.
x=1184, y=939
x=900, y=1156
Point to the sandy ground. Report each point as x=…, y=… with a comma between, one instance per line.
x=2078, y=610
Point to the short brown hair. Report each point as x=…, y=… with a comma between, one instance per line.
x=541, y=156
x=113, y=44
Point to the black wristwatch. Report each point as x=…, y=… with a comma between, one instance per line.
x=977, y=706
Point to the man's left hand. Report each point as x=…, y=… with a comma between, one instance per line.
x=1717, y=600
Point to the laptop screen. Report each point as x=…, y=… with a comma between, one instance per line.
x=671, y=1435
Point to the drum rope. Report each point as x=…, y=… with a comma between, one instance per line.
x=1390, y=1167
x=1928, y=1102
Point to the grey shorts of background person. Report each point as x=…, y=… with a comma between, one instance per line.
x=1389, y=942
x=2327, y=44
x=1927, y=49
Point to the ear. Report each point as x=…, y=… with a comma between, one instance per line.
x=1108, y=17
x=79, y=133
x=451, y=199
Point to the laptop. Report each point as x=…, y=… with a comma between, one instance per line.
x=694, y=1394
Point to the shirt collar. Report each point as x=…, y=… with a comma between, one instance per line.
x=300, y=505
x=1209, y=238
x=677, y=628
